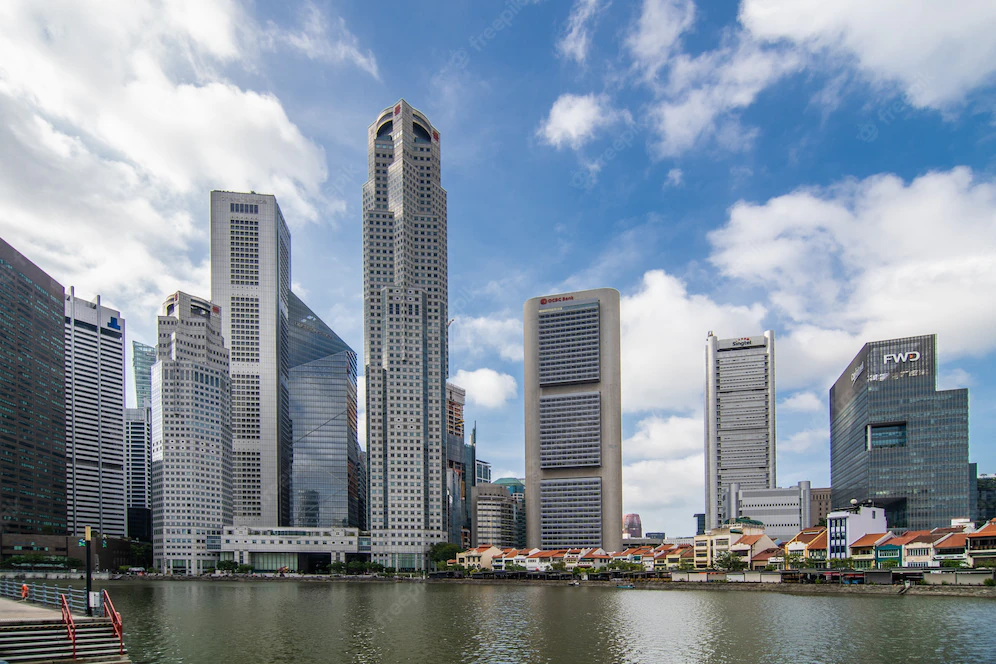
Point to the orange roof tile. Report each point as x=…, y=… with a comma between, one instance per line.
x=868, y=540
x=988, y=530
x=820, y=542
x=905, y=538
x=807, y=536
x=956, y=541
x=749, y=539
x=767, y=554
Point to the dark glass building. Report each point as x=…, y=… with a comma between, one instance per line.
x=896, y=440
x=985, y=492
x=328, y=475
x=32, y=398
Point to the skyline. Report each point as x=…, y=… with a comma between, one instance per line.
x=807, y=203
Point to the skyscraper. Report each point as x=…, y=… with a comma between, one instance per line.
x=32, y=390
x=138, y=447
x=251, y=280
x=739, y=419
x=459, y=484
x=95, y=404
x=632, y=526
x=328, y=476
x=191, y=437
x=405, y=345
x=896, y=440
x=573, y=420
x=142, y=359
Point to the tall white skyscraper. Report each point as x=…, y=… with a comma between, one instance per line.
x=405, y=345
x=191, y=437
x=250, y=280
x=95, y=404
x=739, y=419
x=572, y=386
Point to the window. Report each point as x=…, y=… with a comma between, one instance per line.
x=886, y=435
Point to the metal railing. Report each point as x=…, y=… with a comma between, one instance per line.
x=40, y=593
x=67, y=617
x=115, y=619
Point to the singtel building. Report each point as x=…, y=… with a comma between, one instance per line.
x=896, y=440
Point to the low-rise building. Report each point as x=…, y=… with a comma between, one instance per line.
x=847, y=526
x=817, y=550
x=951, y=550
x=717, y=541
x=782, y=511
x=478, y=558
x=749, y=546
x=981, y=549
x=294, y=549
x=770, y=557
x=919, y=552
x=797, y=549
x=862, y=552
x=889, y=553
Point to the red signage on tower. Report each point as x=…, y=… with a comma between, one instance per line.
x=397, y=109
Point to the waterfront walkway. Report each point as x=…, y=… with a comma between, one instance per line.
x=14, y=610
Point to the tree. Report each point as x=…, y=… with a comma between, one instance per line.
x=686, y=565
x=338, y=567
x=559, y=566
x=794, y=560
x=729, y=562
x=514, y=568
x=842, y=563
x=227, y=566
x=952, y=563
x=440, y=552
x=356, y=566
x=244, y=569
x=888, y=564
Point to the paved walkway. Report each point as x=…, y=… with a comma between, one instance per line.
x=11, y=609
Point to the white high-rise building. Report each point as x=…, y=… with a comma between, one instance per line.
x=250, y=280
x=572, y=385
x=739, y=419
x=95, y=405
x=405, y=344
x=191, y=437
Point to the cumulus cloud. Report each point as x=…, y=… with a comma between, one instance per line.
x=675, y=178
x=576, y=41
x=486, y=388
x=499, y=333
x=320, y=38
x=574, y=119
x=117, y=122
x=804, y=441
x=863, y=260
x=935, y=53
x=656, y=36
x=660, y=323
x=802, y=402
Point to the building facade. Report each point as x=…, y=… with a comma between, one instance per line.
x=784, y=512
x=305, y=550
x=739, y=419
x=328, y=471
x=517, y=487
x=573, y=418
x=142, y=359
x=847, y=526
x=191, y=466
x=632, y=526
x=95, y=404
x=819, y=505
x=896, y=440
x=32, y=392
x=494, y=524
x=405, y=294
x=251, y=281
x=459, y=460
x=138, y=446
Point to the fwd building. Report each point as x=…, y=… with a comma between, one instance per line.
x=573, y=421
x=896, y=440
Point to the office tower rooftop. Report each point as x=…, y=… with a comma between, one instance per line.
x=32, y=361
x=573, y=420
x=95, y=404
x=405, y=345
x=739, y=419
x=142, y=359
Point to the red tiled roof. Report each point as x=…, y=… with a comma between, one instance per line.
x=749, y=539
x=956, y=541
x=767, y=554
x=820, y=542
x=988, y=530
x=869, y=540
x=905, y=538
x=807, y=536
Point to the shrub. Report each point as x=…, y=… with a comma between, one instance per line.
x=989, y=582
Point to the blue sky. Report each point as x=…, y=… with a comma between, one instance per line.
x=822, y=169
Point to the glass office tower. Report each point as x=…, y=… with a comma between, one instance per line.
x=896, y=440
x=328, y=475
x=32, y=396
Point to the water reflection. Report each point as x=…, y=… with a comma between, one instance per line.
x=277, y=622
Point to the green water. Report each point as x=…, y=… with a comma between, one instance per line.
x=298, y=622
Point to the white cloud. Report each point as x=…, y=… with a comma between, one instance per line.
x=954, y=379
x=475, y=336
x=576, y=41
x=675, y=178
x=657, y=33
x=328, y=41
x=574, y=119
x=663, y=438
x=117, y=122
x=936, y=53
x=703, y=94
x=486, y=387
x=803, y=402
x=865, y=260
x=804, y=441
x=659, y=318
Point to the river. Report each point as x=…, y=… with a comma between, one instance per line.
x=221, y=622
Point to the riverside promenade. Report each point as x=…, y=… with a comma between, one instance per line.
x=12, y=610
